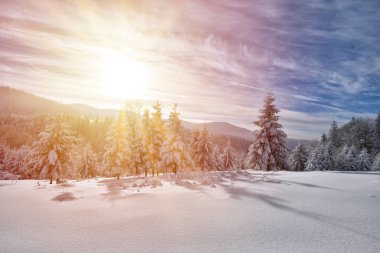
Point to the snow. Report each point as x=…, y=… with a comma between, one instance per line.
x=253, y=212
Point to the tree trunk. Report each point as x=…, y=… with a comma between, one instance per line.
x=152, y=172
x=57, y=181
x=137, y=171
x=117, y=176
x=175, y=169
x=51, y=180
x=146, y=172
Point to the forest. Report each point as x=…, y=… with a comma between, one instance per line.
x=141, y=142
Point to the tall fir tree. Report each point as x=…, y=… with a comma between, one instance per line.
x=352, y=159
x=158, y=135
x=324, y=138
x=195, y=136
x=364, y=161
x=376, y=163
x=321, y=158
x=268, y=151
x=203, y=153
x=88, y=162
x=115, y=157
x=52, y=151
x=298, y=158
x=147, y=142
x=341, y=159
x=176, y=155
x=333, y=134
x=228, y=157
x=134, y=137
x=377, y=134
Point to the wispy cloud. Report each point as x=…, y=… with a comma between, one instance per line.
x=216, y=58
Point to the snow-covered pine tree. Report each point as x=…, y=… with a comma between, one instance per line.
x=376, y=163
x=298, y=158
x=216, y=154
x=147, y=143
x=323, y=138
x=115, y=156
x=16, y=161
x=134, y=137
x=341, y=159
x=314, y=162
x=268, y=150
x=3, y=150
x=321, y=158
x=377, y=134
x=203, y=152
x=364, y=161
x=88, y=162
x=52, y=151
x=333, y=134
x=352, y=159
x=158, y=134
x=195, y=136
x=228, y=157
x=176, y=156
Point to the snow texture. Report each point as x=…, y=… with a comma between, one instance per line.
x=249, y=212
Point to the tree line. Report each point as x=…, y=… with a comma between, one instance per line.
x=355, y=146
x=141, y=142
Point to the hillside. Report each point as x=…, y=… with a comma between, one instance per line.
x=13, y=101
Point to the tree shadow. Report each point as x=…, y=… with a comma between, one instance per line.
x=66, y=196
x=357, y=172
x=278, y=203
x=310, y=185
x=114, y=188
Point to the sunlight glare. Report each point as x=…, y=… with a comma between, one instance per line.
x=124, y=76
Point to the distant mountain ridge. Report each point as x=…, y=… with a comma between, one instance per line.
x=13, y=101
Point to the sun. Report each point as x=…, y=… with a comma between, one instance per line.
x=124, y=76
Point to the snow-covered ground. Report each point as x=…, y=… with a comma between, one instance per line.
x=257, y=212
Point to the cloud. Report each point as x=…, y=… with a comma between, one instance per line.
x=218, y=58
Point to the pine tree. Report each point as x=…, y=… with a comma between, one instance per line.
x=52, y=151
x=321, y=158
x=134, y=137
x=16, y=161
x=115, y=156
x=364, y=161
x=341, y=159
x=333, y=134
x=376, y=163
x=352, y=159
x=3, y=151
x=158, y=134
x=298, y=158
x=323, y=138
x=147, y=142
x=204, y=152
x=195, y=137
x=88, y=162
x=176, y=155
x=377, y=134
x=228, y=157
x=216, y=156
x=268, y=151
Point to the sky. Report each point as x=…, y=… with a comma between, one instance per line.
x=217, y=58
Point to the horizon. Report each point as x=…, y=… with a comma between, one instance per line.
x=321, y=61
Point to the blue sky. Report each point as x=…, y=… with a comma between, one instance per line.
x=216, y=58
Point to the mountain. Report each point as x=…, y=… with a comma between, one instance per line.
x=13, y=101
x=223, y=128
